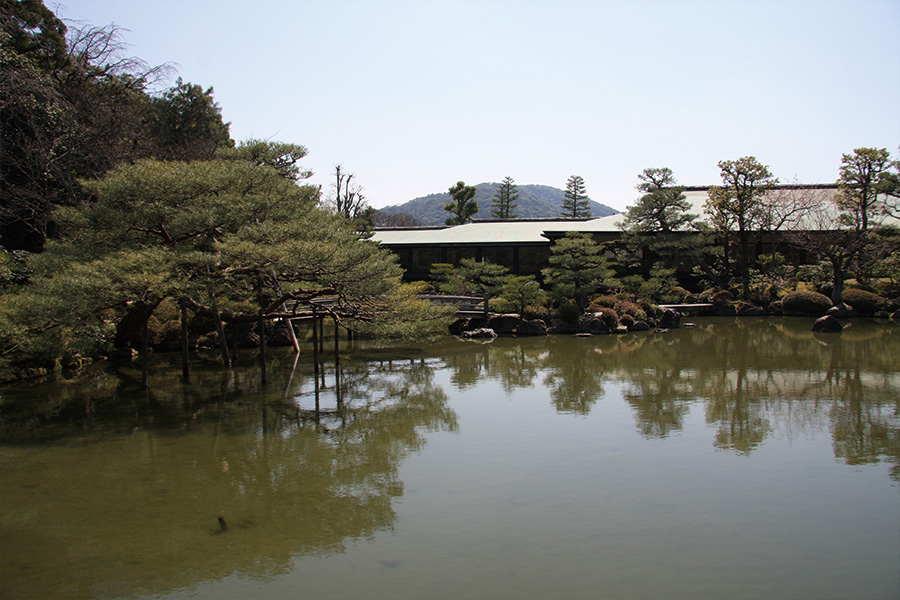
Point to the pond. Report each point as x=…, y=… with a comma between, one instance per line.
x=735, y=459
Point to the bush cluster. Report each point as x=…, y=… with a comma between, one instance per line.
x=865, y=303
x=806, y=303
x=625, y=307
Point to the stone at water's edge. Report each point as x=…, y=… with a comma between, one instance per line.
x=593, y=323
x=505, y=323
x=827, y=324
x=532, y=327
x=842, y=311
x=639, y=326
x=481, y=333
x=671, y=319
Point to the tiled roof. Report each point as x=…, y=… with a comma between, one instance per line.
x=541, y=231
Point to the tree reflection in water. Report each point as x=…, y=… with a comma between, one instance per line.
x=746, y=373
x=115, y=490
x=153, y=470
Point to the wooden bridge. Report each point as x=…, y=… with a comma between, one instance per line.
x=689, y=308
x=466, y=306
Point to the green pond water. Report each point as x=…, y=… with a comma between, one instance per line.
x=736, y=459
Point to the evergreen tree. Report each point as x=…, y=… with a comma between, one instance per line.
x=463, y=205
x=576, y=203
x=662, y=208
x=577, y=268
x=504, y=200
x=654, y=228
x=206, y=233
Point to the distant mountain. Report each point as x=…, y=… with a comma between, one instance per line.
x=535, y=202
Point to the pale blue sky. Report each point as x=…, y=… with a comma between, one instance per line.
x=414, y=96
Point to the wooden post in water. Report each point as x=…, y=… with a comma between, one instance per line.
x=185, y=343
x=220, y=333
x=315, y=344
x=262, y=330
x=337, y=345
x=145, y=350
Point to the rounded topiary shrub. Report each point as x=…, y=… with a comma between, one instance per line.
x=569, y=312
x=806, y=302
x=723, y=297
x=865, y=303
x=626, y=307
x=604, y=300
x=536, y=312
x=609, y=316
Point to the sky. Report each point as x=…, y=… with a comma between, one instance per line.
x=413, y=96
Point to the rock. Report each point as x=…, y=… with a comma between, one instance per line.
x=505, y=323
x=639, y=326
x=563, y=327
x=594, y=323
x=882, y=314
x=671, y=319
x=584, y=335
x=461, y=325
x=776, y=308
x=532, y=327
x=827, y=324
x=620, y=330
x=689, y=325
x=842, y=311
x=895, y=316
x=481, y=333
x=725, y=310
x=746, y=309
x=458, y=326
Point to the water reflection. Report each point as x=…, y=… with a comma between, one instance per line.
x=112, y=491
x=745, y=373
x=126, y=486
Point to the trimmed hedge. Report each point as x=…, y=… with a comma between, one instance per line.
x=865, y=303
x=805, y=302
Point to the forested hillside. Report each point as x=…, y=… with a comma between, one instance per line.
x=534, y=202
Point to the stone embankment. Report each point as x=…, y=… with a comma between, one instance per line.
x=487, y=328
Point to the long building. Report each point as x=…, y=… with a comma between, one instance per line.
x=523, y=246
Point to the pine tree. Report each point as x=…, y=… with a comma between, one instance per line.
x=576, y=203
x=504, y=201
x=463, y=205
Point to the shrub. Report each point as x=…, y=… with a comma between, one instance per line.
x=806, y=302
x=502, y=306
x=625, y=307
x=865, y=303
x=569, y=312
x=607, y=301
x=651, y=310
x=679, y=295
x=609, y=316
x=627, y=320
x=723, y=297
x=536, y=312
x=706, y=296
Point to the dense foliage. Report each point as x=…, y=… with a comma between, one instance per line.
x=805, y=302
x=864, y=302
x=126, y=200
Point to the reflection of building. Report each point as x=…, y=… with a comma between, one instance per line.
x=524, y=245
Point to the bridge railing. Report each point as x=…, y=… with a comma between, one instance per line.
x=466, y=306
